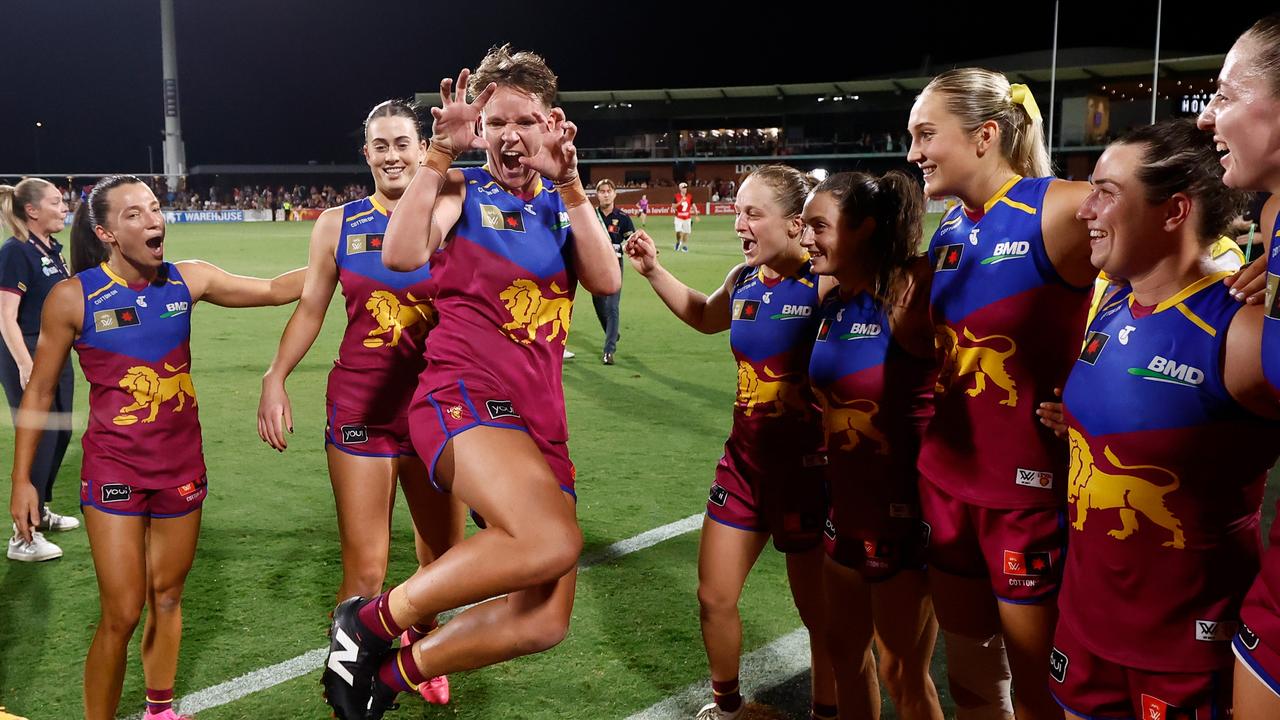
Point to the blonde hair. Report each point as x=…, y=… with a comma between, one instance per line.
x=977, y=95
x=14, y=201
x=525, y=71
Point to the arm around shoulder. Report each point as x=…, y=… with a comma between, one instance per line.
x=1066, y=237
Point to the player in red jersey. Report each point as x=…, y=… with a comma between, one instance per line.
x=769, y=481
x=127, y=312
x=1009, y=297
x=388, y=317
x=1244, y=117
x=508, y=244
x=873, y=368
x=685, y=209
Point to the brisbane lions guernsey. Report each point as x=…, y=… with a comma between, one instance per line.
x=1165, y=485
x=774, y=321
x=135, y=351
x=388, y=316
x=504, y=292
x=876, y=397
x=1008, y=328
x=1271, y=326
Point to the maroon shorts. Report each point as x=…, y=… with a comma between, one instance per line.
x=785, y=497
x=1020, y=550
x=362, y=433
x=873, y=533
x=1261, y=660
x=117, y=498
x=1089, y=686
x=440, y=414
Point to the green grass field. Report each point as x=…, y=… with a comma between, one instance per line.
x=646, y=434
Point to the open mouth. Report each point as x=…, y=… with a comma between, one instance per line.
x=748, y=245
x=928, y=170
x=1224, y=151
x=510, y=160
x=156, y=244
x=1096, y=236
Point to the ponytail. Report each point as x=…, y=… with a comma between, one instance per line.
x=976, y=95
x=14, y=200
x=895, y=202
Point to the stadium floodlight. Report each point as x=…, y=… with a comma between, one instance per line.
x=39, y=124
x=819, y=174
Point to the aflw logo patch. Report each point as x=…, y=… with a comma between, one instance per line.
x=495, y=218
x=746, y=309
x=947, y=257
x=357, y=244
x=112, y=319
x=1034, y=478
x=1215, y=631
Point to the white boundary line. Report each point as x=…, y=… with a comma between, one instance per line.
x=312, y=660
x=762, y=670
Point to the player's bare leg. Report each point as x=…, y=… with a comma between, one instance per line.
x=439, y=519
x=118, y=545
x=978, y=672
x=171, y=548
x=363, y=493
x=1253, y=700
x=906, y=632
x=532, y=537
x=805, y=576
x=1028, y=641
x=725, y=557
x=849, y=633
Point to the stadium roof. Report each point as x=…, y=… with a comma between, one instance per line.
x=1029, y=67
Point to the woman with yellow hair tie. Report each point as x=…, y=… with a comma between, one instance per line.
x=1010, y=289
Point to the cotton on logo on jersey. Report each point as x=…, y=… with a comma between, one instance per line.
x=1167, y=370
x=1008, y=250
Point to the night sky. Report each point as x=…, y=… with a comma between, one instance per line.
x=289, y=81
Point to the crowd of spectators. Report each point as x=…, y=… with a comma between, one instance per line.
x=190, y=196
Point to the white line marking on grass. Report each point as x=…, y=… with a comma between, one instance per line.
x=762, y=670
x=267, y=677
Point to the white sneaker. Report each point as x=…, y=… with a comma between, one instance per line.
x=713, y=712
x=54, y=522
x=568, y=354
x=38, y=550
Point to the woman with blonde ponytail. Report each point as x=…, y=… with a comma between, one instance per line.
x=31, y=264
x=1010, y=289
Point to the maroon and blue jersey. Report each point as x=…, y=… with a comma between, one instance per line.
x=876, y=397
x=135, y=351
x=388, y=317
x=1007, y=327
x=1262, y=607
x=1271, y=325
x=774, y=321
x=504, y=284
x=1165, y=484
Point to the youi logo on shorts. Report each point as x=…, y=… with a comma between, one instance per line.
x=1008, y=250
x=116, y=492
x=354, y=434
x=1167, y=370
x=1058, y=665
x=500, y=409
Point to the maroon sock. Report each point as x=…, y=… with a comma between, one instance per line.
x=728, y=698
x=418, y=631
x=400, y=672
x=159, y=700
x=376, y=616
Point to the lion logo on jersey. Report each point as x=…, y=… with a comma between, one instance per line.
x=394, y=317
x=530, y=310
x=1092, y=488
x=781, y=391
x=853, y=419
x=980, y=362
x=150, y=391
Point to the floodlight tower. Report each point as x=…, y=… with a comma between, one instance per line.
x=175, y=153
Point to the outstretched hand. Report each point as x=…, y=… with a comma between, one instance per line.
x=557, y=159
x=456, y=121
x=642, y=251
x=1052, y=416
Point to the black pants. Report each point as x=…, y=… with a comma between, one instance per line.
x=607, y=313
x=53, y=442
